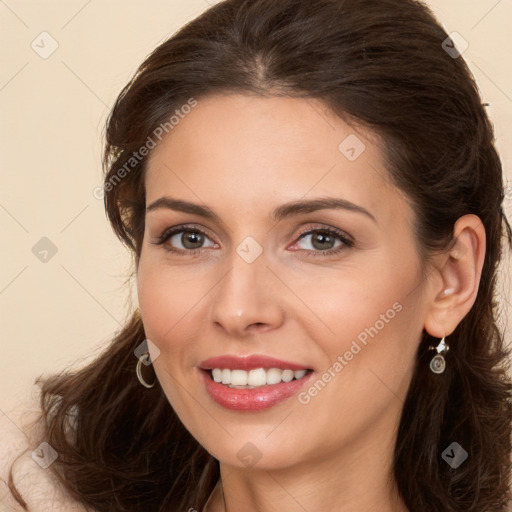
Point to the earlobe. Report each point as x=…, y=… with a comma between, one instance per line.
x=459, y=269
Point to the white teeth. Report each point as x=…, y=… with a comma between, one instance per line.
x=299, y=374
x=274, y=376
x=238, y=378
x=287, y=375
x=255, y=378
x=226, y=377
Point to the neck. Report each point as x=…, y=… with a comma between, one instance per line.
x=356, y=479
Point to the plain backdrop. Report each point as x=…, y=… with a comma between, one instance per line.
x=62, y=275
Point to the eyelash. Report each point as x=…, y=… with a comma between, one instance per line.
x=346, y=241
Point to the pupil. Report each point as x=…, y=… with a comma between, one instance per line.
x=191, y=239
x=325, y=241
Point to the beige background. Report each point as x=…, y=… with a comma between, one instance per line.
x=53, y=109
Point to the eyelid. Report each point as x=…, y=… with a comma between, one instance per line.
x=183, y=227
x=347, y=238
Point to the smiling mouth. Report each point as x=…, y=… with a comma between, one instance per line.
x=256, y=378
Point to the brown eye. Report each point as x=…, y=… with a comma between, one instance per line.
x=192, y=239
x=321, y=241
x=184, y=239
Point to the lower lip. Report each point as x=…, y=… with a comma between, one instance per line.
x=252, y=399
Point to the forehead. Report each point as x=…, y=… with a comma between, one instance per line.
x=251, y=151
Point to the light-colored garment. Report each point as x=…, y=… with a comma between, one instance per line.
x=35, y=482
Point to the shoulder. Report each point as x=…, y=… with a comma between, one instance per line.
x=30, y=460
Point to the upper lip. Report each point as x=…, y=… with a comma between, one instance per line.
x=250, y=362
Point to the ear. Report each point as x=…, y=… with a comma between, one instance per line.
x=456, y=277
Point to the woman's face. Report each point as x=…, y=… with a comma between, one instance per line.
x=288, y=242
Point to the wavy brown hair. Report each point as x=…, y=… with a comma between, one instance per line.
x=379, y=63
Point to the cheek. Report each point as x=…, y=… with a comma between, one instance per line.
x=155, y=301
x=369, y=362
x=166, y=302
x=166, y=297
x=355, y=303
x=367, y=323
x=364, y=332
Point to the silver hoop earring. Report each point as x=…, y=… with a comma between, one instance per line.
x=138, y=370
x=438, y=363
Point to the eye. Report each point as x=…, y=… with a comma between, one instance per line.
x=191, y=240
x=324, y=241
x=184, y=239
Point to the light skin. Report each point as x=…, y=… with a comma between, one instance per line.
x=242, y=157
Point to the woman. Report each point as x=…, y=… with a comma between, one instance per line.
x=313, y=199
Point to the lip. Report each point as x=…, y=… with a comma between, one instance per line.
x=250, y=362
x=256, y=399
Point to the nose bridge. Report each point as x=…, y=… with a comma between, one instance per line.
x=244, y=295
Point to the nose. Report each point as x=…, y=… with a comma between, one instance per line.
x=246, y=300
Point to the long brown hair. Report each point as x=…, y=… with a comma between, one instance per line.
x=380, y=63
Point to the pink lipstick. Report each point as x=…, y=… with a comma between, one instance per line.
x=251, y=383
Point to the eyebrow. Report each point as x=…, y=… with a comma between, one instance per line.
x=281, y=212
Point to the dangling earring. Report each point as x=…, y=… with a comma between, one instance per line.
x=138, y=370
x=438, y=363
